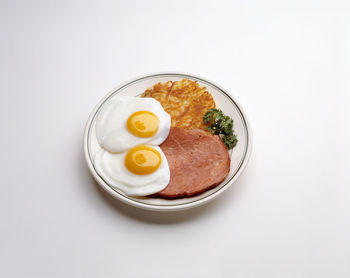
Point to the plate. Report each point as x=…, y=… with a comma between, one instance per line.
x=224, y=101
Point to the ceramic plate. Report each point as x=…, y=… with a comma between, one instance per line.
x=224, y=101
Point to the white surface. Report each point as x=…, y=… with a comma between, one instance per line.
x=288, y=64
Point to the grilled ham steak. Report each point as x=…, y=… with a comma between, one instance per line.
x=198, y=161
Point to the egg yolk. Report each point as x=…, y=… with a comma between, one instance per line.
x=143, y=124
x=142, y=160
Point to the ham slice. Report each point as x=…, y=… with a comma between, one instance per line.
x=198, y=161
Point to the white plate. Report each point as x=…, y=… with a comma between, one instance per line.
x=239, y=154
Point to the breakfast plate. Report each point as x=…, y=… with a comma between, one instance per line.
x=239, y=155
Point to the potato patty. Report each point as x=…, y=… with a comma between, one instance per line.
x=185, y=101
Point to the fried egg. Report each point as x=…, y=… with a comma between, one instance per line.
x=139, y=171
x=124, y=122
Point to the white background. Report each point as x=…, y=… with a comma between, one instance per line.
x=288, y=65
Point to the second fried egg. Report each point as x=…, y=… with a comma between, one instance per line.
x=140, y=171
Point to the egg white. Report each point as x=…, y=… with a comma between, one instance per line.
x=111, y=129
x=111, y=168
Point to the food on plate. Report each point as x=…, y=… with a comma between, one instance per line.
x=125, y=122
x=129, y=130
x=192, y=106
x=221, y=125
x=185, y=101
x=140, y=171
x=170, y=143
x=197, y=160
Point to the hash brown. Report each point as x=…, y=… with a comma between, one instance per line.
x=185, y=101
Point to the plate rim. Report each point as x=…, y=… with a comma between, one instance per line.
x=153, y=207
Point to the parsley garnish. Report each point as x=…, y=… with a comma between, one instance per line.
x=221, y=125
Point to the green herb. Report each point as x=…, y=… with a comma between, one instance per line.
x=221, y=125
